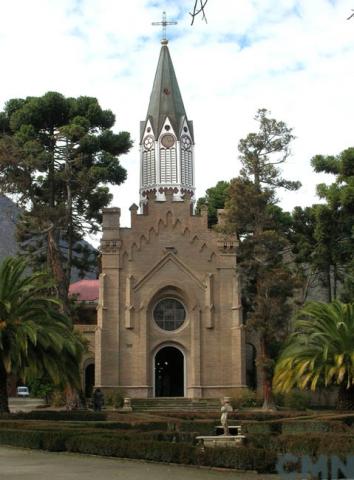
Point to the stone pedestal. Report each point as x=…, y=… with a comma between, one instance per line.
x=127, y=405
x=234, y=439
x=213, y=441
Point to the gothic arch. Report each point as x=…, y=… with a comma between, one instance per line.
x=251, y=368
x=88, y=377
x=169, y=380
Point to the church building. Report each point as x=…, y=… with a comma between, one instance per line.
x=169, y=312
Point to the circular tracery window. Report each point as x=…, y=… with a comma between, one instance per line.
x=169, y=314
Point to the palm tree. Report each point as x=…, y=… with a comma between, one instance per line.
x=35, y=337
x=320, y=351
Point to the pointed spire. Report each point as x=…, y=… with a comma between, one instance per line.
x=166, y=99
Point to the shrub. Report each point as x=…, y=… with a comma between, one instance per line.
x=147, y=450
x=241, y=458
x=41, y=388
x=303, y=427
x=26, y=439
x=313, y=444
x=259, y=427
x=115, y=399
x=297, y=400
x=203, y=428
x=245, y=399
x=73, y=415
x=57, y=398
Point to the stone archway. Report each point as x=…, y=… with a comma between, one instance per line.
x=169, y=371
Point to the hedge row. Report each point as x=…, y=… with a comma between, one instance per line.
x=178, y=447
x=313, y=444
x=295, y=427
x=73, y=415
x=244, y=458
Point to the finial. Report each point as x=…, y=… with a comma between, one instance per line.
x=164, y=24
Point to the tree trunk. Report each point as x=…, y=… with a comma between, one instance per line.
x=268, y=401
x=329, y=284
x=345, y=399
x=57, y=268
x=4, y=400
x=335, y=281
x=69, y=212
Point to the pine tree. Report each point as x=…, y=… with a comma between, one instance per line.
x=57, y=157
x=267, y=280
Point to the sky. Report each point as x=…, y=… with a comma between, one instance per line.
x=292, y=57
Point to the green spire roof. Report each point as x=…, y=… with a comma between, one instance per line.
x=166, y=99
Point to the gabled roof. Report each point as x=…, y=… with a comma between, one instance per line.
x=166, y=99
x=169, y=257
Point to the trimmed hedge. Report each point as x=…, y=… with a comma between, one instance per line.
x=240, y=458
x=203, y=428
x=146, y=450
x=313, y=444
x=73, y=415
x=244, y=458
x=175, y=443
x=49, y=440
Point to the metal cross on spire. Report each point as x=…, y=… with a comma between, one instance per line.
x=164, y=24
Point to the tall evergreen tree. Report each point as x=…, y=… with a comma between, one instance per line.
x=57, y=156
x=336, y=220
x=266, y=277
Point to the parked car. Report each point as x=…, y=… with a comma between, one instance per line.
x=22, y=391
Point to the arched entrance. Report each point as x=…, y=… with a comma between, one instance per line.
x=89, y=379
x=169, y=372
x=251, y=368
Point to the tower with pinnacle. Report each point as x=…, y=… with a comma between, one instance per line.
x=166, y=137
x=169, y=312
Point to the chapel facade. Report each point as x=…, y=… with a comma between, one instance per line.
x=169, y=310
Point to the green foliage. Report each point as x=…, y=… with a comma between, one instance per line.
x=323, y=235
x=57, y=156
x=41, y=388
x=313, y=444
x=297, y=400
x=267, y=280
x=265, y=440
x=305, y=427
x=148, y=449
x=245, y=399
x=36, y=339
x=73, y=415
x=115, y=399
x=215, y=199
x=262, y=152
x=320, y=350
x=58, y=398
x=241, y=458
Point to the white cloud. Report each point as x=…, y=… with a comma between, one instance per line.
x=294, y=57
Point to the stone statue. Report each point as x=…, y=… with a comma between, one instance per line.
x=225, y=410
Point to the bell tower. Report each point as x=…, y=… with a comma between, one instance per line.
x=166, y=137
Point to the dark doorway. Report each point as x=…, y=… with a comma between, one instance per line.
x=251, y=368
x=89, y=379
x=169, y=373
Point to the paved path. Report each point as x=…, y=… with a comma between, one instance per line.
x=18, y=404
x=21, y=464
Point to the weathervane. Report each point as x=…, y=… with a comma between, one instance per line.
x=164, y=24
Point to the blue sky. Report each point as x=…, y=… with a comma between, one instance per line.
x=293, y=57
